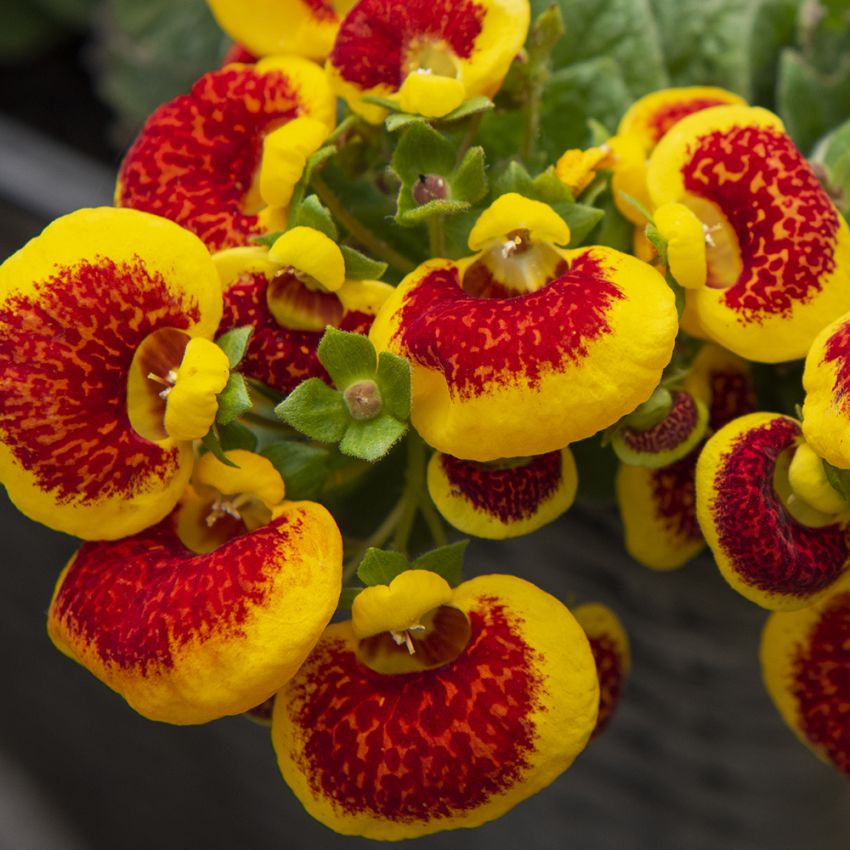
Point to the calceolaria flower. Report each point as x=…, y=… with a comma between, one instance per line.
x=209, y=612
x=777, y=251
x=658, y=504
x=289, y=294
x=108, y=370
x=502, y=499
x=222, y=160
x=527, y=347
x=268, y=27
x=428, y=56
x=776, y=528
x=805, y=657
x=436, y=708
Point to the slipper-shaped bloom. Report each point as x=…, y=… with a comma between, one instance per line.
x=107, y=370
x=276, y=27
x=223, y=159
x=289, y=295
x=502, y=499
x=826, y=410
x=209, y=612
x=527, y=347
x=428, y=56
x=805, y=657
x=609, y=644
x=777, y=251
x=436, y=708
x=658, y=506
x=771, y=544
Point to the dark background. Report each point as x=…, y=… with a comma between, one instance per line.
x=696, y=759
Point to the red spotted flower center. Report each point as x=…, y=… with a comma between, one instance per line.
x=300, y=302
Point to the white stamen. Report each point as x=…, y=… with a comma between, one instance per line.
x=404, y=637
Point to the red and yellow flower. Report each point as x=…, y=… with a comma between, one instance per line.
x=436, y=708
x=269, y=27
x=658, y=506
x=805, y=657
x=527, y=347
x=222, y=160
x=289, y=295
x=209, y=612
x=429, y=55
x=504, y=498
x=760, y=501
x=108, y=371
x=776, y=250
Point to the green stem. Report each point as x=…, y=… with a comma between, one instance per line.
x=376, y=539
x=469, y=136
x=433, y=520
x=437, y=236
x=531, y=114
x=371, y=241
x=414, y=484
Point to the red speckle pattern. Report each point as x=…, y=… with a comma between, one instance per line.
x=785, y=224
x=379, y=38
x=673, y=430
x=836, y=351
x=65, y=355
x=279, y=357
x=139, y=600
x=611, y=670
x=481, y=344
x=323, y=10
x=509, y=494
x=195, y=159
x=238, y=53
x=765, y=545
x=732, y=395
x=420, y=746
x=821, y=683
x=662, y=120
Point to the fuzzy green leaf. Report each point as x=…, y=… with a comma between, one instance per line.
x=304, y=468
x=233, y=344
x=372, y=439
x=380, y=566
x=360, y=267
x=268, y=239
x=212, y=444
x=473, y=106
x=315, y=409
x=513, y=179
x=410, y=214
x=399, y=120
x=469, y=182
x=446, y=561
x=313, y=213
x=233, y=400
x=422, y=150
x=348, y=357
x=235, y=435
x=394, y=378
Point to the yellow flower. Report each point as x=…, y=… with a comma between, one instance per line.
x=492, y=685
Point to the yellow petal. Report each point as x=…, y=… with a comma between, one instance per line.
x=285, y=153
x=311, y=253
x=512, y=212
x=431, y=95
x=685, y=244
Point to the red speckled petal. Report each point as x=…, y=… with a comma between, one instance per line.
x=187, y=638
x=806, y=664
x=761, y=549
x=397, y=756
x=277, y=356
x=196, y=158
x=502, y=500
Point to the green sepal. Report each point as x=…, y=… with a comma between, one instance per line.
x=314, y=161
x=651, y=412
x=839, y=479
x=550, y=189
x=372, y=439
x=446, y=561
x=305, y=468
x=380, y=566
x=313, y=213
x=233, y=400
x=234, y=343
x=383, y=102
x=546, y=31
x=473, y=106
x=315, y=409
x=514, y=178
x=211, y=443
x=235, y=435
x=410, y=216
x=394, y=377
x=360, y=267
x=422, y=150
x=469, y=181
x=348, y=357
x=268, y=239
x=348, y=595
x=654, y=237
x=399, y=120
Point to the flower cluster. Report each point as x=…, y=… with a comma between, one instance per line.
x=311, y=269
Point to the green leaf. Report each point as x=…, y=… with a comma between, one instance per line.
x=372, y=439
x=394, y=381
x=233, y=400
x=304, y=468
x=469, y=182
x=546, y=31
x=446, y=561
x=268, y=239
x=409, y=214
x=314, y=161
x=824, y=32
x=360, y=267
x=623, y=31
x=348, y=357
x=233, y=343
x=774, y=28
x=348, y=595
x=396, y=121
x=235, y=435
x=473, y=106
x=383, y=102
x=313, y=213
x=212, y=444
x=513, y=179
x=422, y=150
x=550, y=189
x=315, y=409
x=614, y=230
x=834, y=154
x=581, y=219
x=380, y=566
x=839, y=480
